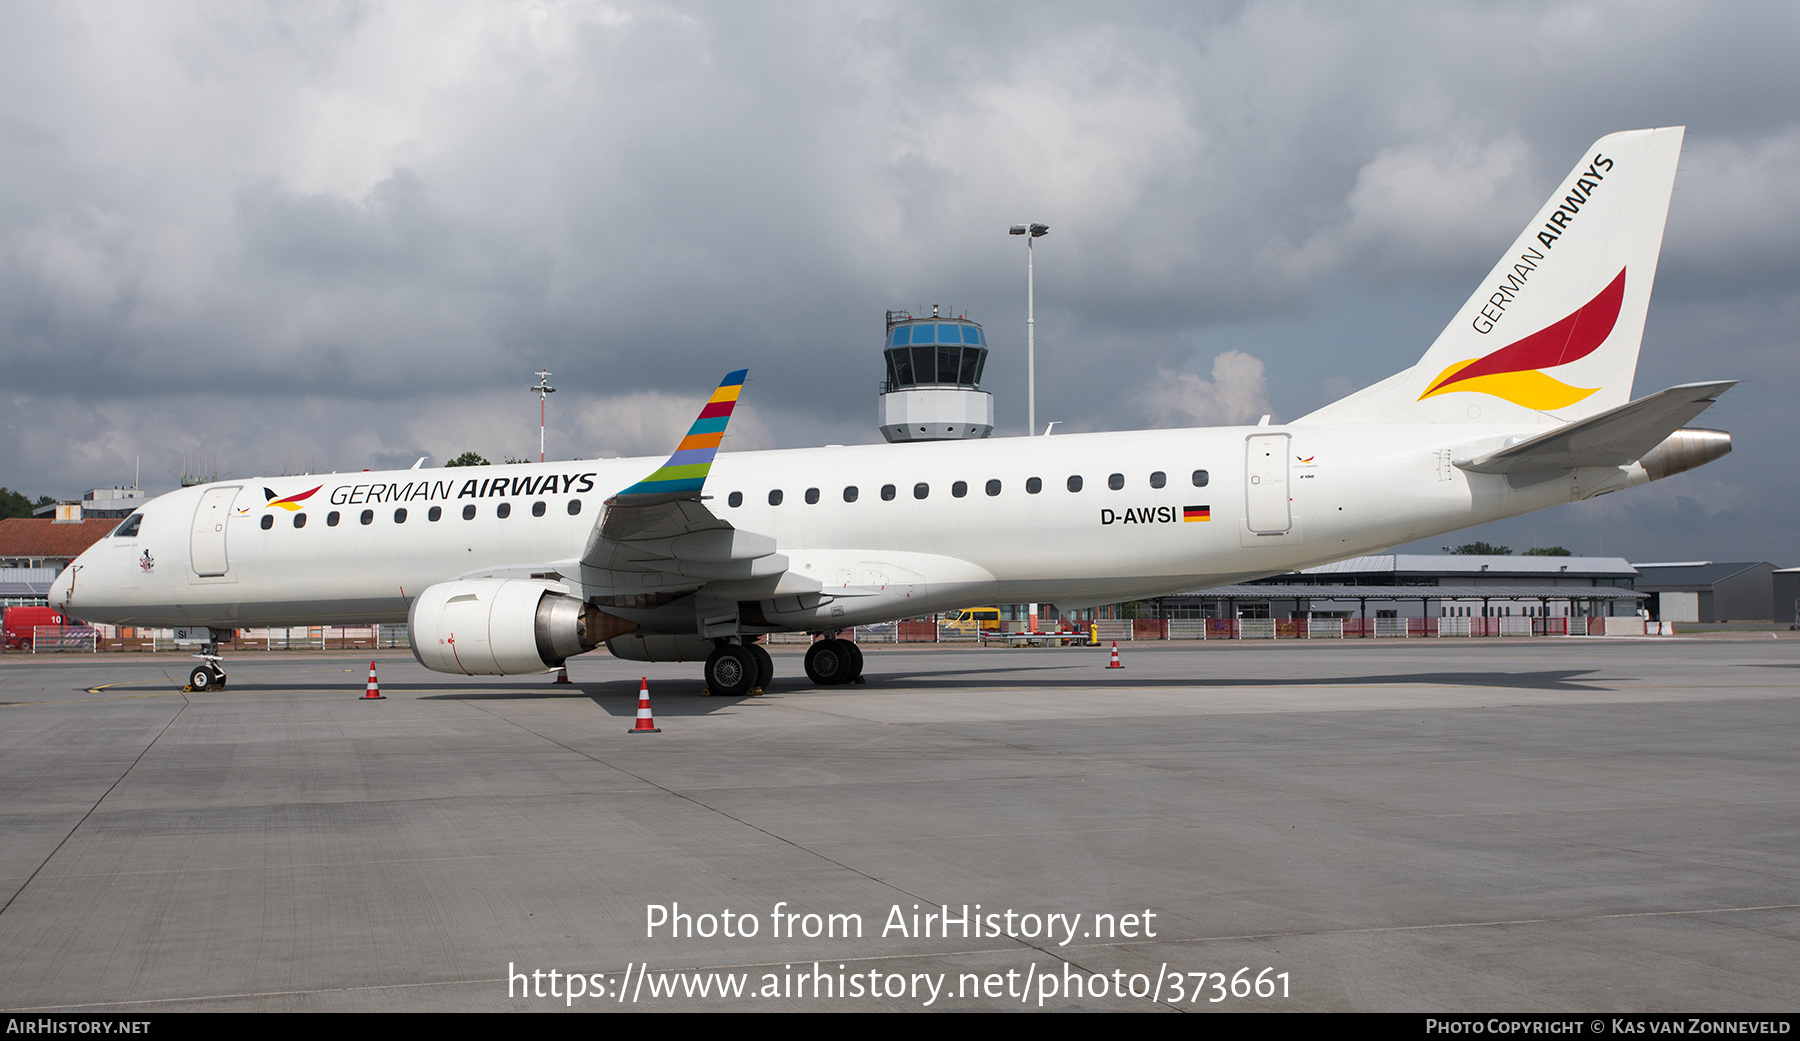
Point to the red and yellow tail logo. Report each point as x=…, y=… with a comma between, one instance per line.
x=1513, y=372
x=292, y=502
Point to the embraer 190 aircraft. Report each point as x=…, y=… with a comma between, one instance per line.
x=1522, y=402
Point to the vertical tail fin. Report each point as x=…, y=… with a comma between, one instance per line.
x=1552, y=333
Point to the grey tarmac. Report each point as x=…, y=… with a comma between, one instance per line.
x=1587, y=825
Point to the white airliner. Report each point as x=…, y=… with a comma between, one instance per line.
x=1523, y=402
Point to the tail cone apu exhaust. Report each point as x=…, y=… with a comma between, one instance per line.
x=1683, y=450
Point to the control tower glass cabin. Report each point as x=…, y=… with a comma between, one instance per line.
x=933, y=386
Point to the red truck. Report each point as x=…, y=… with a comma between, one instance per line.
x=20, y=621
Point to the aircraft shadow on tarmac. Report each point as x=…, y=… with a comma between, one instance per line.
x=620, y=698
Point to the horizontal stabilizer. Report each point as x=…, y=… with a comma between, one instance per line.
x=1616, y=437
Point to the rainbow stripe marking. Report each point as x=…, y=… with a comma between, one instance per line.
x=1196, y=513
x=684, y=474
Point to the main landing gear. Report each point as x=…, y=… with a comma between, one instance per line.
x=734, y=670
x=832, y=661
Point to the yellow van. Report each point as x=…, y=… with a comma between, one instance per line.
x=974, y=620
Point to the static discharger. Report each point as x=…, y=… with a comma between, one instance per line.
x=646, y=724
x=374, y=691
x=1115, y=664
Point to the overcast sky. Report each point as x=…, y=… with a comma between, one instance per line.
x=348, y=233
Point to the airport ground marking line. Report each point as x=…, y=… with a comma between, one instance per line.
x=739, y=820
x=90, y=810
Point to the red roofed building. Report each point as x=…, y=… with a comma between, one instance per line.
x=34, y=542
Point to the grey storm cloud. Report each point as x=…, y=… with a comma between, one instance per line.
x=350, y=231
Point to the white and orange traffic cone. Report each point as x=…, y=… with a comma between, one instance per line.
x=374, y=691
x=1115, y=664
x=562, y=674
x=646, y=724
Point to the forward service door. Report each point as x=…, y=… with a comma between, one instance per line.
x=1266, y=483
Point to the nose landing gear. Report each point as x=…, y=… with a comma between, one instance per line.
x=211, y=675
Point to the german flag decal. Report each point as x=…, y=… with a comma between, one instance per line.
x=1196, y=513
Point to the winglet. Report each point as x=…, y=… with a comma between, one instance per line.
x=684, y=474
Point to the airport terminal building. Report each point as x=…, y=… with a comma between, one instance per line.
x=1419, y=585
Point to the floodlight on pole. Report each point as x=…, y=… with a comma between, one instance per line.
x=543, y=390
x=1032, y=232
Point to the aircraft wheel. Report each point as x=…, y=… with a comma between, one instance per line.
x=202, y=679
x=828, y=664
x=765, y=666
x=730, y=671
x=856, y=660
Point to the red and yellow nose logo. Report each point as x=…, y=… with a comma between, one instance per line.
x=1514, y=372
x=293, y=502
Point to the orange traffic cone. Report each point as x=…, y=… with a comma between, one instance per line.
x=374, y=691
x=562, y=674
x=1114, y=664
x=645, y=723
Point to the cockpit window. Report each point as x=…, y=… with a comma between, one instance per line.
x=129, y=529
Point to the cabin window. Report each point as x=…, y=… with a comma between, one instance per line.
x=574, y=507
x=887, y=493
x=400, y=515
x=332, y=518
x=368, y=516
x=1158, y=479
x=537, y=508
x=1075, y=483
x=469, y=512
x=130, y=527
x=850, y=493
x=959, y=489
x=299, y=520
x=503, y=511
x=921, y=490
x=436, y=513
x=1116, y=482
x=1200, y=478
x=812, y=497
x=1033, y=485
x=775, y=497
x=268, y=521
x=735, y=499
x=993, y=487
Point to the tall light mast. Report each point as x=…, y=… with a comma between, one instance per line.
x=543, y=390
x=1032, y=232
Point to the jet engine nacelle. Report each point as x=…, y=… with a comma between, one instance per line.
x=500, y=627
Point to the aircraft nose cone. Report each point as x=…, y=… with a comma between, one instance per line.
x=63, y=588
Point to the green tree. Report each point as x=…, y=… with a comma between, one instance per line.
x=1482, y=549
x=1547, y=551
x=468, y=459
x=13, y=504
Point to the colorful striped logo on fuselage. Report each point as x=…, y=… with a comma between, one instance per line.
x=1196, y=513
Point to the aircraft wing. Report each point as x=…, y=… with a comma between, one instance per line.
x=1617, y=437
x=658, y=537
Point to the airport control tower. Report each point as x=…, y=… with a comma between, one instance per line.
x=933, y=386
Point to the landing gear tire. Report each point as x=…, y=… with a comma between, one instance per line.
x=765, y=667
x=204, y=678
x=731, y=671
x=855, y=661
x=831, y=662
